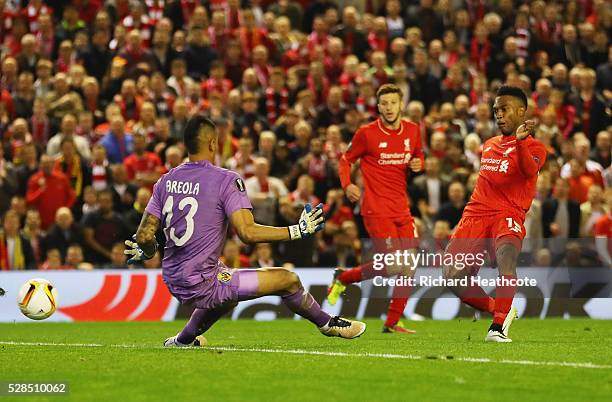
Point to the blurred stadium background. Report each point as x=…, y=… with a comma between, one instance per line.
x=93, y=99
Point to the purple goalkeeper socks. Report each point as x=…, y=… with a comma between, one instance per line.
x=303, y=304
x=200, y=321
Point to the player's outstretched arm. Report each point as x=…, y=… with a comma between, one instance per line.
x=144, y=245
x=311, y=221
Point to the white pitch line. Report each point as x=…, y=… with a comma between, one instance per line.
x=586, y=365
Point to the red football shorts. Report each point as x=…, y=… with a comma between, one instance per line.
x=477, y=234
x=392, y=233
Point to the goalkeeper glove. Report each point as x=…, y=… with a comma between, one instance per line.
x=138, y=255
x=311, y=221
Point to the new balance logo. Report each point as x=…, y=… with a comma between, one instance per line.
x=382, y=145
x=487, y=149
x=503, y=167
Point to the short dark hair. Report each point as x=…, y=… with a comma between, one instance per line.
x=191, y=134
x=388, y=89
x=516, y=92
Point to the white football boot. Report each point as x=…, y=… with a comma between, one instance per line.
x=173, y=343
x=502, y=337
x=343, y=328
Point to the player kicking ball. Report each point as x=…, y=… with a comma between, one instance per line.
x=493, y=218
x=387, y=148
x=194, y=203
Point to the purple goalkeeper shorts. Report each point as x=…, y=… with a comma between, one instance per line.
x=227, y=285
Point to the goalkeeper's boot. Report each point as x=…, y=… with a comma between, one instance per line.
x=336, y=288
x=173, y=343
x=343, y=328
x=398, y=328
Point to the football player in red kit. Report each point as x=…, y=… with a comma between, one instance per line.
x=387, y=148
x=493, y=218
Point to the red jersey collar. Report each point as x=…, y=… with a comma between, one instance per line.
x=389, y=131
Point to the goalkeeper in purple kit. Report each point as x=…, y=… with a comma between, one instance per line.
x=194, y=203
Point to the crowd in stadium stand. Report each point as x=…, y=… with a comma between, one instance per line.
x=94, y=95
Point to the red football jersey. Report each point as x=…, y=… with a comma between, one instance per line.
x=385, y=156
x=148, y=163
x=502, y=185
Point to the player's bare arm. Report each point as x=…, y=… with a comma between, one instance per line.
x=144, y=244
x=311, y=221
x=251, y=232
x=145, y=235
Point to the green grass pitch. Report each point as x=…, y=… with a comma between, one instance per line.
x=550, y=360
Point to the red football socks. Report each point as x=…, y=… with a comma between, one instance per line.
x=503, y=299
x=350, y=276
x=399, y=299
x=476, y=297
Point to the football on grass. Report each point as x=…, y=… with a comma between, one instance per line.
x=37, y=299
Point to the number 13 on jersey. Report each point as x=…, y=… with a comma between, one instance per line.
x=169, y=228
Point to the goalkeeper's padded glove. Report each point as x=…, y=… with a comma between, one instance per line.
x=138, y=255
x=311, y=221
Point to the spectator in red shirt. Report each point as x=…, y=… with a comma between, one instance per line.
x=334, y=61
x=261, y=65
x=218, y=33
x=143, y=166
x=251, y=36
x=587, y=171
x=129, y=101
x=480, y=47
x=139, y=21
x=304, y=193
x=217, y=81
x=12, y=41
x=378, y=38
x=318, y=83
x=48, y=190
x=318, y=37
x=275, y=102
x=243, y=161
x=32, y=11
x=548, y=29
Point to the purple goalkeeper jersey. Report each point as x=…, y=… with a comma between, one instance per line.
x=194, y=202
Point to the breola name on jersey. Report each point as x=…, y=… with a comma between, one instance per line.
x=182, y=187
